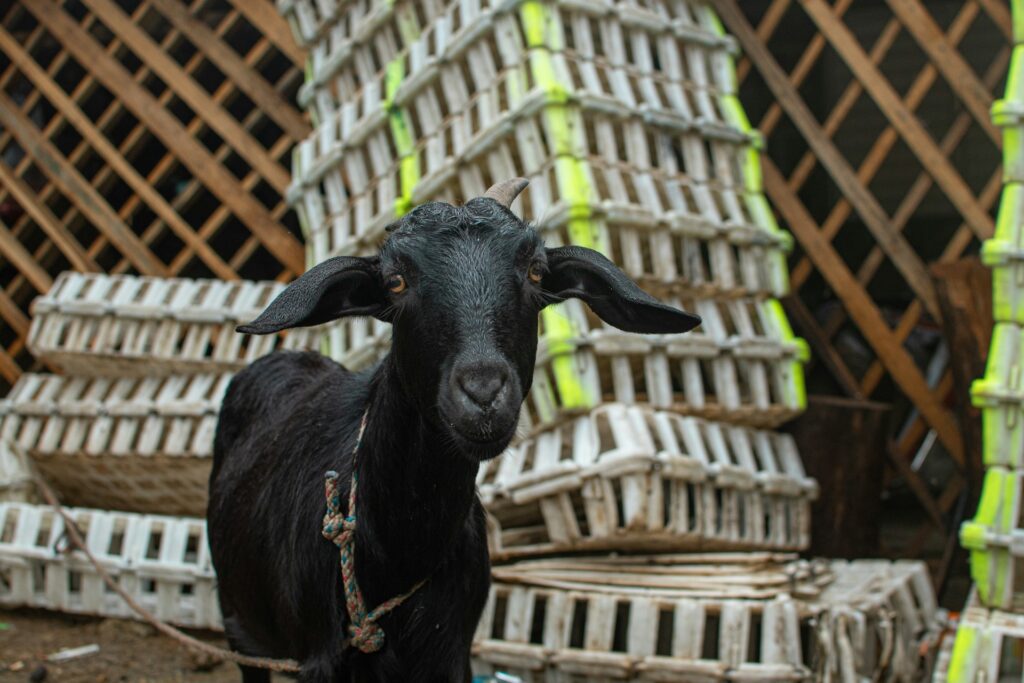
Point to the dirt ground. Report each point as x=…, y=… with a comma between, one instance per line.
x=130, y=652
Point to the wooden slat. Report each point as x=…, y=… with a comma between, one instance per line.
x=237, y=71
x=188, y=90
x=263, y=16
x=48, y=223
x=888, y=239
x=81, y=193
x=1000, y=14
x=168, y=130
x=18, y=255
x=903, y=120
x=862, y=310
x=960, y=77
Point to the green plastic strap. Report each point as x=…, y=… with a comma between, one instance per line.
x=963, y=660
x=797, y=385
x=1017, y=7
x=408, y=164
x=574, y=188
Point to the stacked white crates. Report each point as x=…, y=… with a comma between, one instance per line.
x=625, y=119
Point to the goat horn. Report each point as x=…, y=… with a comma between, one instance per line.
x=506, y=191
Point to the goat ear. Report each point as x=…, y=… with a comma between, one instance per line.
x=576, y=272
x=338, y=287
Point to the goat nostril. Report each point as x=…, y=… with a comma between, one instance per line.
x=482, y=386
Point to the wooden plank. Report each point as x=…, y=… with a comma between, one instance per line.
x=902, y=119
x=47, y=222
x=888, y=239
x=14, y=316
x=227, y=60
x=862, y=310
x=944, y=56
x=78, y=191
x=219, y=120
x=281, y=243
x=19, y=257
x=144, y=190
x=965, y=294
x=263, y=15
x=9, y=368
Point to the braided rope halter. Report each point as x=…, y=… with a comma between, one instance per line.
x=365, y=634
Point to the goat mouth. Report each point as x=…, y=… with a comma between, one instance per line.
x=485, y=445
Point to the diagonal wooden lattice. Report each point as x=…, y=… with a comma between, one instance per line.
x=148, y=136
x=894, y=106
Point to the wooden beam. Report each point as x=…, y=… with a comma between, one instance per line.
x=944, y=56
x=81, y=193
x=888, y=238
x=249, y=81
x=19, y=257
x=192, y=155
x=139, y=42
x=902, y=119
x=264, y=16
x=863, y=311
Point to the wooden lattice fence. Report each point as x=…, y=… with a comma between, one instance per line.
x=881, y=158
x=145, y=136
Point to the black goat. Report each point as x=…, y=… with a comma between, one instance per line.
x=462, y=287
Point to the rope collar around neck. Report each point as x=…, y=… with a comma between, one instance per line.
x=365, y=634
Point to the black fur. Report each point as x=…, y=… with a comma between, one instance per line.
x=445, y=398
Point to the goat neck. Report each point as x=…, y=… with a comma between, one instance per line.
x=415, y=491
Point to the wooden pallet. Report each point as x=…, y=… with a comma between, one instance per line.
x=92, y=325
x=139, y=444
x=162, y=562
x=627, y=478
x=627, y=619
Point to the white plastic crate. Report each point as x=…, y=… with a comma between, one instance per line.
x=162, y=562
x=142, y=444
x=485, y=93
x=121, y=325
x=639, y=621
x=626, y=478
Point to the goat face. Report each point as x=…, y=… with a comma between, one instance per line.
x=462, y=287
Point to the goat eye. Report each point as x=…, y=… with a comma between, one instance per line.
x=395, y=284
x=536, y=272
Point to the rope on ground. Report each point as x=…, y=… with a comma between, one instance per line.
x=75, y=536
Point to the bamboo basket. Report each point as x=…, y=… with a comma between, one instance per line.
x=93, y=325
x=627, y=478
x=162, y=562
x=692, y=618
x=989, y=646
x=138, y=444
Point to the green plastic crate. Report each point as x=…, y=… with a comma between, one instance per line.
x=995, y=538
x=989, y=647
x=1004, y=253
x=1000, y=395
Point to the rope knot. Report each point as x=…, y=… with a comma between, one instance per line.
x=339, y=527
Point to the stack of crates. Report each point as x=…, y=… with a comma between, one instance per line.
x=624, y=116
x=989, y=643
